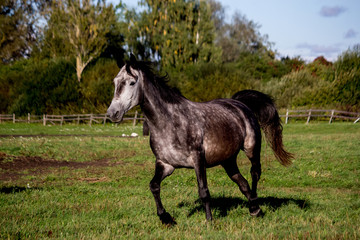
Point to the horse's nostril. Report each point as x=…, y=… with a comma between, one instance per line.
x=117, y=114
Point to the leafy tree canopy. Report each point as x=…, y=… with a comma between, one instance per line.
x=80, y=29
x=19, y=28
x=174, y=32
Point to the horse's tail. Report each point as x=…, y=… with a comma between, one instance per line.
x=264, y=109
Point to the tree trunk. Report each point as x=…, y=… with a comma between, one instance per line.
x=79, y=67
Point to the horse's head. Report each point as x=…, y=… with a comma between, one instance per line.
x=128, y=90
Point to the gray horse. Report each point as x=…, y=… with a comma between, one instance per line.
x=186, y=134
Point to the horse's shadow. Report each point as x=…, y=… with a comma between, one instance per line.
x=222, y=205
x=16, y=189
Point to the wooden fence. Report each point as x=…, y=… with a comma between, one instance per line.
x=331, y=115
x=61, y=119
x=321, y=114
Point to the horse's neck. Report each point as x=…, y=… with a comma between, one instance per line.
x=158, y=112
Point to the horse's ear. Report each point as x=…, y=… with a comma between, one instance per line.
x=133, y=61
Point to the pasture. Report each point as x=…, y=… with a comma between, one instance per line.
x=94, y=185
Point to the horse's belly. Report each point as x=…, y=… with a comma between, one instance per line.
x=175, y=157
x=219, y=150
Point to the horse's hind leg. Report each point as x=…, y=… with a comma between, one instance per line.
x=162, y=170
x=233, y=172
x=253, y=153
x=204, y=193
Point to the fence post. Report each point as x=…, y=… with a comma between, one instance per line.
x=62, y=119
x=78, y=119
x=358, y=118
x=44, y=119
x=105, y=119
x=28, y=118
x=331, y=117
x=136, y=113
x=13, y=117
x=91, y=118
x=287, y=116
x=309, y=116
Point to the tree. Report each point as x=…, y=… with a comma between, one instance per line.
x=33, y=86
x=293, y=64
x=80, y=28
x=18, y=27
x=217, y=14
x=239, y=36
x=345, y=88
x=175, y=32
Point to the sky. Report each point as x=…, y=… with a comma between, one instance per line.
x=306, y=28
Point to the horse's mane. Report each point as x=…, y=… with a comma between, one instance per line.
x=159, y=82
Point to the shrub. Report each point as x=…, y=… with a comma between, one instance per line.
x=97, y=85
x=204, y=82
x=291, y=88
x=44, y=87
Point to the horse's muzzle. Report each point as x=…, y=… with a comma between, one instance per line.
x=114, y=114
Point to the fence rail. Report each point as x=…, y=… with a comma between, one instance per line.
x=321, y=113
x=61, y=119
x=136, y=117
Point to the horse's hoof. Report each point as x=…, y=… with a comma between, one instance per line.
x=167, y=219
x=257, y=213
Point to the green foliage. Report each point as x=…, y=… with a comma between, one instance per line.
x=43, y=87
x=238, y=37
x=18, y=28
x=207, y=81
x=320, y=84
x=347, y=79
x=205, y=57
x=11, y=77
x=261, y=66
x=177, y=32
x=97, y=87
x=293, y=64
x=81, y=29
x=290, y=87
x=321, y=69
x=50, y=86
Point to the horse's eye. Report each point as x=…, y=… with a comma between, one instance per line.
x=132, y=83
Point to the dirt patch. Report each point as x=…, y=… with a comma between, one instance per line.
x=13, y=167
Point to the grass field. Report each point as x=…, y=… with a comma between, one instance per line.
x=90, y=186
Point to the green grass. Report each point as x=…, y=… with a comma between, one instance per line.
x=68, y=129
x=318, y=197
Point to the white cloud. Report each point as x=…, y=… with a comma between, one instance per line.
x=331, y=11
x=319, y=49
x=351, y=34
x=311, y=51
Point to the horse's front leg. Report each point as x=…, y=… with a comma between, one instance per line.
x=162, y=170
x=200, y=170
